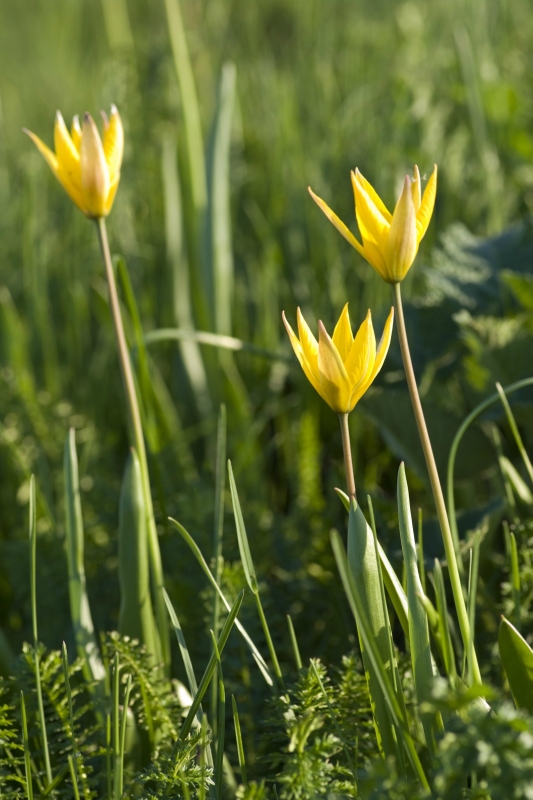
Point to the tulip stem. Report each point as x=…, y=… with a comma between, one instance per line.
x=347, y=449
x=137, y=437
x=434, y=480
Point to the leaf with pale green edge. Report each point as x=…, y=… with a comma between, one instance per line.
x=517, y=660
x=242, y=538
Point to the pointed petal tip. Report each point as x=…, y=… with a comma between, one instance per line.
x=113, y=109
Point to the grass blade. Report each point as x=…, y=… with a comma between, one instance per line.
x=444, y=624
x=364, y=566
x=80, y=611
x=450, y=492
x=179, y=265
x=221, y=726
x=418, y=621
x=33, y=585
x=26, y=745
x=514, y=430
x=136, y=618
x=192, y=162
x=260, y=661
x=249, y=570
x=294, y=643
x=210, y=669
x=73, y=777
x=218, y=528
x=371, y=646
x=238, y=738
x=516, y=587
x=219, y=210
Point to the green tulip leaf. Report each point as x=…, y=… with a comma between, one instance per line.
x=517, y=660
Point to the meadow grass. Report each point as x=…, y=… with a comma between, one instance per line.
x=290, y=93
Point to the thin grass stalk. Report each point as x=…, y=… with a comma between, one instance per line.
x=238, y=739
x=210, y=669
x=420, y=550
x=472, y=593
x=26, y=745
x=516, y=587
x=123, y=724
x=66, y=678
x=73, y=777
x=258, y=658
x=444, y=625
x=294, y=644
x=117, y=789
x=220, y=485
x=514, y=430
x=451, y=555
x=80, y=611
x=136, y=432
x=221, y=726
x=33, y=582
x=249, y=571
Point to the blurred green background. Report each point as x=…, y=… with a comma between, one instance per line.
x=322, y=86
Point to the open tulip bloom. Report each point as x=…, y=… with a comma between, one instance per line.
x=341, y=367
x=87, y=167
x=389, y=241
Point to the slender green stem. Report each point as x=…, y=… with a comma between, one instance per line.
x=513, y=387
x=137, y=436
x=514, y=430
x=451, y=557
x=33, y=587
x=238, y=738
x=26, y=744
x=347, y=450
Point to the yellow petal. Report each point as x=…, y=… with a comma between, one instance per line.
x=362, y=354
x=51, y=159
x=342, y=335
x=67, y=154
x=372, y=224
x=427, y=205
x=416, y=189
x=297, y=347
x=333, y=377
x=374, y=196
x=402, y=242
x=95, y=181
x=378, y=362
x=374, y=256
x=339, y=224
x=114, y=144
x=75, y=132
x=308, y=342
x=44, y=150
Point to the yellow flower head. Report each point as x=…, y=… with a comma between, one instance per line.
x=389, y=241
x=340, y=368
x=87, y=168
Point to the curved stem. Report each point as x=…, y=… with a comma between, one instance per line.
x=513, y=387
x=347, y=450
x=438, y=496
x=137, y=437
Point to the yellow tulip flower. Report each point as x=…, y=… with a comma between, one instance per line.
x=341, y=368
x=389, y=241
x=87, y=168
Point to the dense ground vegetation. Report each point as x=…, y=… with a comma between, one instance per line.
x=321, y=87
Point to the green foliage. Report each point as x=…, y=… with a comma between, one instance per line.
x=306, y=755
